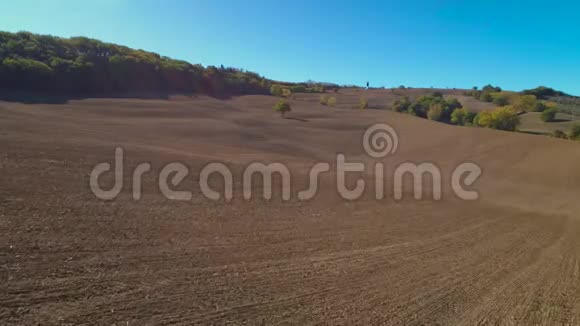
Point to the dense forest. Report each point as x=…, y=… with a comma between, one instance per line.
x=81, y=65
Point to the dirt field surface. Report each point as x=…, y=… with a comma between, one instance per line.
x=510, y=258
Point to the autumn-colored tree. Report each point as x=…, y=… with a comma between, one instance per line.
x=282, y=106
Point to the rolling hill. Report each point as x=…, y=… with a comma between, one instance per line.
x=510, y=257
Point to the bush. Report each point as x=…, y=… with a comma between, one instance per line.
x=540, y=106
x=442, y=108
x=459, y=116
x=575, y=132
x=286, y=92
x=298, y=89
x=526, y=103
x=439, y=112
x=470, y=118
x=549, y=115
x=453, y=103
x=504, y=118
x=363, y=103
x=435, y=112
x=282, y=106
x=560, y=134
x=331, y=101
x=276, y=90
x=501, y=100
x=324, y=99
x=486, y=97
x=402, y=105
x=483, y=119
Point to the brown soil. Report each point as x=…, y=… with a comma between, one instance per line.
x=512, y=257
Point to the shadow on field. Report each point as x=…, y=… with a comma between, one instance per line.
x=561, y=120
x=25, y=97
x=297, y=119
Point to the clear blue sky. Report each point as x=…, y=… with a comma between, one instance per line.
x=447, y=43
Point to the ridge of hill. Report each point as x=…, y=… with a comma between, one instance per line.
x=33, y=62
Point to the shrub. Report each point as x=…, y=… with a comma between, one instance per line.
x=402, y=105
x=459, y=116
x=331, y=101
x=421, y=106
x=435, y=112
x=286, y=92
x=501, y=100
x=439, y=112
x=282, y=106
x=486, y=97
x=504, y=118
x=276, y=90
x=363, y=103
x=575, y=132
x=298, y=89
x=483, y=119
x=324, y=99
x=540, y=106
x=526, y=103
x=560, y=134
x=453, y=103
x=469, y=118
x=548, y=115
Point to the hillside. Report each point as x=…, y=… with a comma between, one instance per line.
x=79, y=65
x=510, y=257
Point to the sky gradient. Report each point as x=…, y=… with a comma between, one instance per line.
x=447, y=43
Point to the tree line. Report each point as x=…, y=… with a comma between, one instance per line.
x=436, y=107
x=35, y=62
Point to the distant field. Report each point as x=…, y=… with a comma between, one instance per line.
x=473, y=104
x=570, y=105
x=532, y=123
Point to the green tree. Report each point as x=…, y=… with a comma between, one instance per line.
x=276, y=90
x=504, y=118
x=548, y=115
x=453, y=103
x=526, y=103
x=402, y=104
x=286, y=92
x=298, y=89
x=501, y=99
x=486, y=97
x=282, y=106
x=83, y=65
x=540, y=106
x=436, y=112
x=460, y=116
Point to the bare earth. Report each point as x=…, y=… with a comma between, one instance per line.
x=511, y=257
